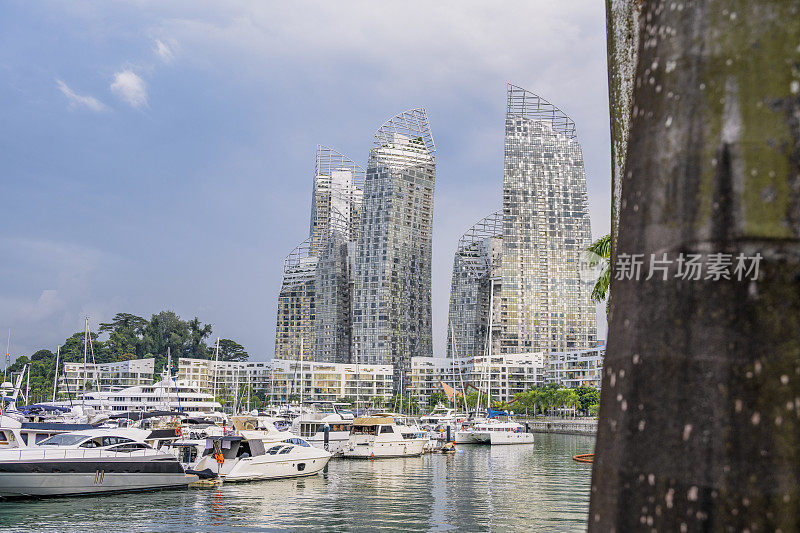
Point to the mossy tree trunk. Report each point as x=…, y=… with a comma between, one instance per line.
x=700, y=412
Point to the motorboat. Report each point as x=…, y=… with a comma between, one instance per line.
x=380, y=437
x=240, y=458
x=89, y=462
x=313, y=427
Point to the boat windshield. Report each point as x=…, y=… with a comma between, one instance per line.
x=65, y=439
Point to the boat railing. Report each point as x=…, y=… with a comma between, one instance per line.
x=79, y=453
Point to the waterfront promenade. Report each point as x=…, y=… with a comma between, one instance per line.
x=564, y=426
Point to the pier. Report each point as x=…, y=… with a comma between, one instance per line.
x=562, y=426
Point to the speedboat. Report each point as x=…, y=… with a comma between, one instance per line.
x=380, y=437
x=89, y=462
x=240, y=458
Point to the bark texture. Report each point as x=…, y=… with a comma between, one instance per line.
x=622, y=22
x=700, y=412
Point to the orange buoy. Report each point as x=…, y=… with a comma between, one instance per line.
x=584, y=457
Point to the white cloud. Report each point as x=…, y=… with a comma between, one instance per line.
x=163, y=51
x=130, y=88
x=78, y=100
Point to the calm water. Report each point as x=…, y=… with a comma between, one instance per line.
x=480, y=488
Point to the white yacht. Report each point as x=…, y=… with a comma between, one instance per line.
x=88, y=462
x=440, y=415
x=17, y=432
x=379, y=437
x=238, y=458
x=493, y=431
x=312, y=427
x=167, y=395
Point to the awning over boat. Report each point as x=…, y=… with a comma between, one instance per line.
x=372, y=421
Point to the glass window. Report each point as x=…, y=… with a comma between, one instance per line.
x=65, y=439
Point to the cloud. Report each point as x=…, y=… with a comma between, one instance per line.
x=163, y=51
x=130, y=88
x=78, y=100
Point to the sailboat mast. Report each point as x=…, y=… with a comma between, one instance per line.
x=55, y=378
x=85, y=348
x=216, y=359
x=7, y=362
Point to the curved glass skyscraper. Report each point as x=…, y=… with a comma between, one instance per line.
x=392, y=299
x=315, y=301
x=539, y=302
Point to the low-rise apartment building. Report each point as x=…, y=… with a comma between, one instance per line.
x=105, y=376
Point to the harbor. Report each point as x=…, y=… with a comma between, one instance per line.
x=534, y=487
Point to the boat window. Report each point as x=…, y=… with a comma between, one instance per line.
x=110, y=441
x=298, y=442
x=274, y=449
x=94, y=443
x=128, y=448
x=364, y=430
x=286, y=450
x=387, y=429
x=64, y=439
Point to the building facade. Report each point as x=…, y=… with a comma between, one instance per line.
x=392, y=298
x=545, y=304
x=579, y=368
x=281, y=380
x=503, y=375
x=516, y=273
x=314, y=318
x=105, y=376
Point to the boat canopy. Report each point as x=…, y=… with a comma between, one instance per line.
x=373, y=421
x=491, y=413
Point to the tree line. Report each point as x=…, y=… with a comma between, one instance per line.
x=127, y=337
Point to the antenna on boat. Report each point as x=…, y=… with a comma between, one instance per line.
x=85, y=348
x=216, y=360
x=8, y=355
x=55, y=378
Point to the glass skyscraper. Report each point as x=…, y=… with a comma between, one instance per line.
x=315, y=301
x=544, y=305
x=392, y=297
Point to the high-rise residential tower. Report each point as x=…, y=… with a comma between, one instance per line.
x=392, y=299
x=315, y=301
x=544, y=305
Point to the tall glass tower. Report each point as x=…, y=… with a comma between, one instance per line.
x=476, y=288
x=315, y=301
x=392, y=301
x=545, y=304
x=518, y=269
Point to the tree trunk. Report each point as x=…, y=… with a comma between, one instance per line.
x=622, y=19
x=699, y=423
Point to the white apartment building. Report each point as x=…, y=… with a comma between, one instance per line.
x=506, y=374
x=106, y=376
x=281, y=379
x=576, y=368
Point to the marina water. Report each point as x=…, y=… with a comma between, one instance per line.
x=480, y=488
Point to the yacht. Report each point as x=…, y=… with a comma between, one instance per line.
x=17, y=432
x=493, y=431
x=240, y=458
x=89, y=462
x=312, y=427
x=440, y=415
x=380, y=437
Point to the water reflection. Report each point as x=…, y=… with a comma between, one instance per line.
x=531, y=487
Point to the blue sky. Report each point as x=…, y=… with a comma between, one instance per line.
x=160, y=155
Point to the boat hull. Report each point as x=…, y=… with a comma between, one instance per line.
x=466, y=437
x=508, y=437
x=385, y=450
x=16, y=485
x=251, y=469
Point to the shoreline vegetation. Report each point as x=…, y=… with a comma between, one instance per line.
x=128, y=337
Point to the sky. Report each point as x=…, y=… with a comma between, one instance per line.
x=160, y=155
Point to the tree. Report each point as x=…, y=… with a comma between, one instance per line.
x=601, y=253
x=165, y=330
x=231, y=351
x=697, y=428
x=438, y=398
x=124, y=335
x=196, y=347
